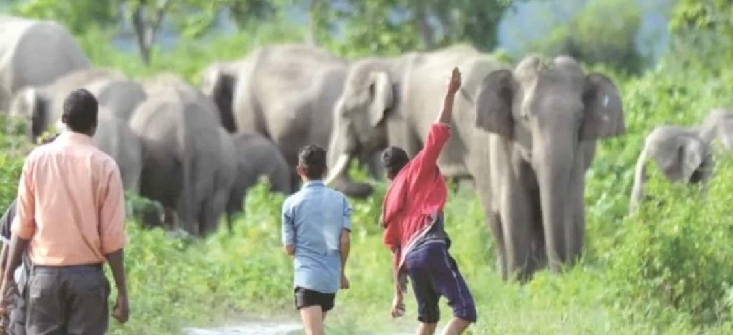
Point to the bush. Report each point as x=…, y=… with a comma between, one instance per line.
x=675, y=255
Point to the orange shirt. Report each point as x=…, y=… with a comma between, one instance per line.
x=70, y=203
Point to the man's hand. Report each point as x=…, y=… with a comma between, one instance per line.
x=121, y=311
x=398, y=307
x=455, y=81
x=345, y=284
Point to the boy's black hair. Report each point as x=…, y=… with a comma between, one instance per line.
x=312, y=159
x=80, y=111
x=393, y=160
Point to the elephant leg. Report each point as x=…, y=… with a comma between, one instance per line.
x=575, y=231
x=496, y=230
x=517, y=219
x=575, y=234
x=538, y=251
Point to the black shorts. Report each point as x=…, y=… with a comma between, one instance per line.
x=307, y=298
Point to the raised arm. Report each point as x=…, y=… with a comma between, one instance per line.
x=440, y=131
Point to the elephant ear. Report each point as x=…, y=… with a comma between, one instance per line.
x=381, y=95
x=494, y=103
x=604, y=114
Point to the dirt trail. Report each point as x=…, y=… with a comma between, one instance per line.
x=251, y=328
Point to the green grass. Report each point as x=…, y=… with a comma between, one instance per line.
x=665, y=271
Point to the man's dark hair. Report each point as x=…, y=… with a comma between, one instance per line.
x=312, y=159
x=80, y=111
x=393, y=160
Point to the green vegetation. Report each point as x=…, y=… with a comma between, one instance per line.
x=665, y=271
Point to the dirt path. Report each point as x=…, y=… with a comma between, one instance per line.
x=251, y=328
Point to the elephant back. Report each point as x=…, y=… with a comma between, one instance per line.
x=120, y=96
x=72, y=81
x=36, y=52
x=171, y=87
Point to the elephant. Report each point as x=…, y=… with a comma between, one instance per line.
x=256, y=156
x=35, y=53
x=120, y=96
x=681, y=153
x=719, y=124
x=218, y=82
x=43, y=105
x=170, y=86
x=386, y=101
x=525, y=136
x=544, y=119
x=286, y=93
x=182, y=156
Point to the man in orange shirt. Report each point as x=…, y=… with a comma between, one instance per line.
x=70, y=216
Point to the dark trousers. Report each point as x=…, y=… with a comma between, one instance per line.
x=16, y=324
x=69, y=300
x=434, y=273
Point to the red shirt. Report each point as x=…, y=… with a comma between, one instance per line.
x=417, y=191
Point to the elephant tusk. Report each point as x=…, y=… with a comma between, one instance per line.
x=341, y=165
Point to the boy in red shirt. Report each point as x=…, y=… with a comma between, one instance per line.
x=412, y=217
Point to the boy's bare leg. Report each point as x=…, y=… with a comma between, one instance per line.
x=312, y=317
x=427, y=328
x=456, y=327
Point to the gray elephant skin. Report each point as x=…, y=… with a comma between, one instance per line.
x=34, y=53
x=718, y=124
x=286, y=93
x=182, y=158
x=43, y=105
x=256, y=157
x=167, y=85
x=218, y=82
x=115, y=137
x=119, y=96
x=683, y=154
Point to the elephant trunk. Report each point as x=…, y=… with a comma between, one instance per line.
x=343, y=147
x=554, y=166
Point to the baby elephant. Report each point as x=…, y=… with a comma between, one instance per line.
x=257, y=157
x=680, y=152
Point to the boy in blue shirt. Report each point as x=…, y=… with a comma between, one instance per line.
x=316, y=223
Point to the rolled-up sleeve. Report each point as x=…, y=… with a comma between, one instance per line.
x=24, y=223
x=288, y=226
x=346, y=215
x=112, y=212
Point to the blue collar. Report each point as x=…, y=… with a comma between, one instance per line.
x=313, y=183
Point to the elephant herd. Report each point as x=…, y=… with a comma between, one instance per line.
x=525, y=134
